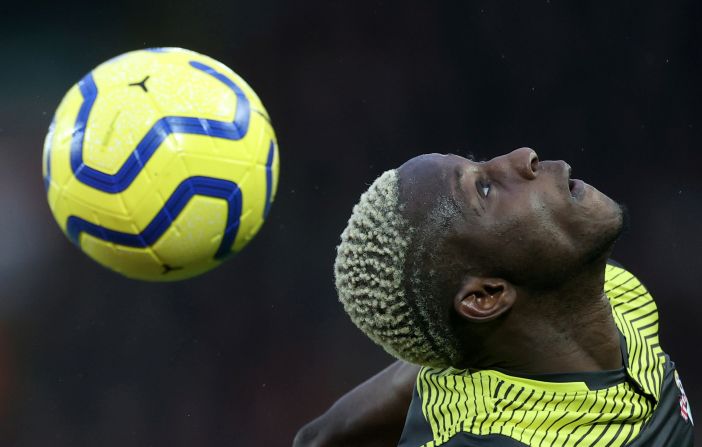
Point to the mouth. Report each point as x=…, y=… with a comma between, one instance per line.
x=575, y=186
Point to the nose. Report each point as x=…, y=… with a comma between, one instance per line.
x=525, y=161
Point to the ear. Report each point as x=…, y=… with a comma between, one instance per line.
x=484, y=299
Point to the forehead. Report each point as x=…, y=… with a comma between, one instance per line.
x=435, y=164
x=427, y=178
x=434, y=170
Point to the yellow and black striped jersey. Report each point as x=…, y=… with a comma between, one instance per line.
x=642, y=404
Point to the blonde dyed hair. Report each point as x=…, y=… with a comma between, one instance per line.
x=384, y=282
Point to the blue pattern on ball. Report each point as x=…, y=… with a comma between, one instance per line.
x=203, y=186
x=153, y=139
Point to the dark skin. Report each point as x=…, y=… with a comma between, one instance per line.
x=370, y=415
x=553, y=316
x=562, y=230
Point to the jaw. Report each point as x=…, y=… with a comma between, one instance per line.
x=603, y=243
x=601, y=222
x=556, y=254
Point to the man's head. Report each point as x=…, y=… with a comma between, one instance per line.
x=443, y=242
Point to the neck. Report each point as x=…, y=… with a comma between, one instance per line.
x=569, y=329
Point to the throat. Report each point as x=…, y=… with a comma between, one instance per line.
x=581, y=339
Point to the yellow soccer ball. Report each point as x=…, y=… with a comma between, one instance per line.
x=160, y=163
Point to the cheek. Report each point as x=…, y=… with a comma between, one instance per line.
x=530, y=231
x=534, y=216
x=541, y=229
x=528, y=250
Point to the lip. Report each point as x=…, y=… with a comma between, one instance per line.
x=577, y=188
x=565, y=172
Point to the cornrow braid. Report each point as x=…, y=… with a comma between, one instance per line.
x=379, y=275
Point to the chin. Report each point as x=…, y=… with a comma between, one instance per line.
x=606, y=233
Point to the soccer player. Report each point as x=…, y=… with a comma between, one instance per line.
x=494, y=278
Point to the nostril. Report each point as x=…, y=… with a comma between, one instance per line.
x=525, y=161
x=534, y=164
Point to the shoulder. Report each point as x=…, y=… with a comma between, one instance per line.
x=623, y=287
x=636, y=315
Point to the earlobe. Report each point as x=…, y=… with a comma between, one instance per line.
x=484, y=299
